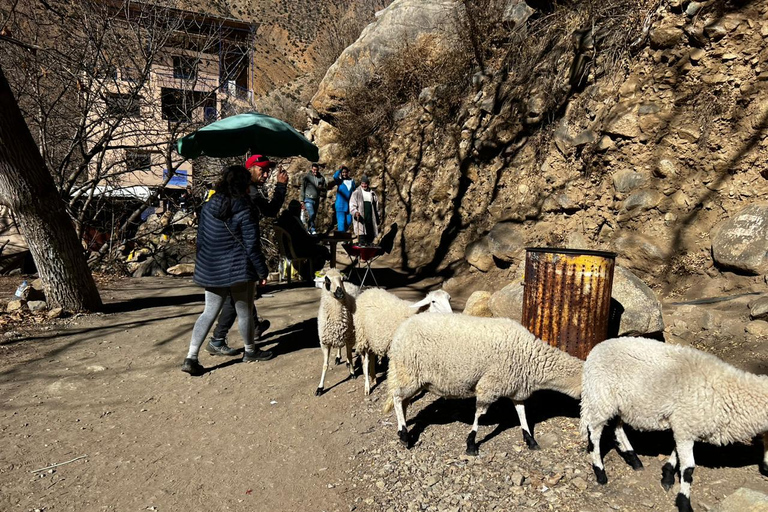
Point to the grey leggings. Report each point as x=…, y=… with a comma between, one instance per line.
x=242, y=294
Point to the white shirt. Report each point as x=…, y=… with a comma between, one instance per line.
x=367, y=197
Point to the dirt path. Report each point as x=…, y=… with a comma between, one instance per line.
x=254, y=437
x=242, y=436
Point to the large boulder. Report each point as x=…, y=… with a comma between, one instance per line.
x=636, y=306
x=508, y=302
x=505, y=242
x=403, y=22
x=478, y=304
x=741, y=242
x=479, y=255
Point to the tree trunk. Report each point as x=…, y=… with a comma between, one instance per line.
x=27, y=188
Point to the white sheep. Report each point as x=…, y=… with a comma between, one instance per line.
x=462, y=356
x=334, y=321
x=377, y=317
x=654, y=386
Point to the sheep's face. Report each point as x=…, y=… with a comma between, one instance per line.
x=438, y=301
x=334, y=283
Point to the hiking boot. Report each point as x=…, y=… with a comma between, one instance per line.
x=257, y=355
x=261, y=327
x=220, y=349
x=192, y=367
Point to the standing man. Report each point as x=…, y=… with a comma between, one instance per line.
x=260, y=167
x=312, y=188
x=364, y=207
x=346, y=185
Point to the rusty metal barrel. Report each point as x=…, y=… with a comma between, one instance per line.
x=567, y=297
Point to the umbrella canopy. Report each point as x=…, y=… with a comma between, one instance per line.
x=243, y=133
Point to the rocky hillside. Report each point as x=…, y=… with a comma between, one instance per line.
x=295, y=38
x=635, y=127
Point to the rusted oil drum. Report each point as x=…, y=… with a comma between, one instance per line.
x=567, y=298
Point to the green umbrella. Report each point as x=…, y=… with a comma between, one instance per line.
x=243, y=133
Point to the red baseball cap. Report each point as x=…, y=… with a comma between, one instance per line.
x=258, y=161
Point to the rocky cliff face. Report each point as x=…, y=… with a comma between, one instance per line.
x=654, y=155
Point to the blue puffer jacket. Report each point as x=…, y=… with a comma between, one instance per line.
x=228, y=256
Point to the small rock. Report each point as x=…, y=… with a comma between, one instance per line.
x=696, y=55
x=757, y=328
x=758, y=310
x=605, y=144
x=715, y=31
x=693, y=8
x=516, y=479
x=15, y=305
x=743, y=500
x=579, y=483
x=37, y=305
x=729, y=56
x=56, y=313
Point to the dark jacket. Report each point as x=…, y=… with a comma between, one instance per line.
x=267, y=207
x=312, y=187
x=228, y=244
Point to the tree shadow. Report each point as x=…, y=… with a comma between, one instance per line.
x=141, y=303
x=298, y=336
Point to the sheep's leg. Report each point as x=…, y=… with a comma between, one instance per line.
x=668, y=472
x=481, y=409
x=338, y=357
x=350, y=366
x=527, y=437
x=372, y=370
x=326, y=361
x=368, y=369
x=687, y=465
x=402, y=429
x=597, y=461
x=625, y=449
x=764, y=464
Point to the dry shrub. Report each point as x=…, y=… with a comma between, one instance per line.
x=373, y=99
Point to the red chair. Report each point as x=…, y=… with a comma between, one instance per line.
x=365, y=253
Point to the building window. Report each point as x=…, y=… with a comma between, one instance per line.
x=122, y=105
x=178, y=105
x=138, y=160
x=184, y=67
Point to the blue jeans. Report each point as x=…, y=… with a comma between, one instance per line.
x=311, y=206
x=343, y=221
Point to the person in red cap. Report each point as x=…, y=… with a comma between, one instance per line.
x=260, y=168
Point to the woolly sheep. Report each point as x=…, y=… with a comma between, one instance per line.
x=334, y=321
x=462, y=356
x=377, y=317
x=654, y=386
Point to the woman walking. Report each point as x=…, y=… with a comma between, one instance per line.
x=229, y=261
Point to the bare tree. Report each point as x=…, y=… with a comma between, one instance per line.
x=108, y=96
x=27, y=188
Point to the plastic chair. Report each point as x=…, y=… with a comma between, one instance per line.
x=288, y=256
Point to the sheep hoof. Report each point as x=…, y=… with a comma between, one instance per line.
x=667, y=476
x=632, y=459
x=602, y=479
x=403, y=435
x=683, y=503
x=338, y=361
x=764, y=469
x=530, y=441
x=471, y=444
x=318, y=391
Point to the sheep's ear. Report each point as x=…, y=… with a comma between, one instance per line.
x=422, y=303
x=327, y=283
